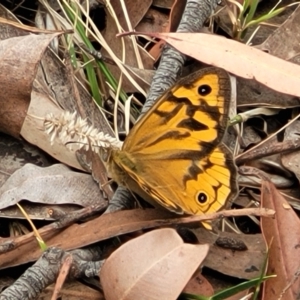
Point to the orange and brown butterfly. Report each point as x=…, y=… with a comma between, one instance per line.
x=174, y=154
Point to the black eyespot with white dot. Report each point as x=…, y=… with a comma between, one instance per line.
x=202, y=198
x=204, y=90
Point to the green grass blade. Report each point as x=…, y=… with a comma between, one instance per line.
x=265, y=17
x=230, y=291
x=252, y=9
x=91, y=75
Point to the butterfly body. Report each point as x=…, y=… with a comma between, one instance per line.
x=174, y=155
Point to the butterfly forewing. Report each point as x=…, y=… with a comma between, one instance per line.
x=192, y=115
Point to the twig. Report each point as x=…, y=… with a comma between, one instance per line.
x=263, y=150
x=259, y=212
x=11, y=244
x=64, y=271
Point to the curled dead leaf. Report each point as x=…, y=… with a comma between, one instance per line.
x=237, y=58
x=156, y=265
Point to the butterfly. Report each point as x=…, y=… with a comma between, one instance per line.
x=174, y=154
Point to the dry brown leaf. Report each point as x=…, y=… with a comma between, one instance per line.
x=136, y=11
x=167, y=4
x=37, y=211
x=56, y=91
x=26, y=52
x=156, y=265
x=33, y=129
x=52, y=91
x=15, y=153
x=143, y=75
x=90, y=232
x=73, y=290
x=80, y=235
x=244, y=264
x=56, y=184
x=16, y=88
x=236, y=58
x=176, y=12
x=199, y=285
x=282, y=235
x=153, y=21
x=174, y=20
x=284, y=42
x=291, y=160
x=251, y=93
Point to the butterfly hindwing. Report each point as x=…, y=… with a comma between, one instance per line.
x=201, y=186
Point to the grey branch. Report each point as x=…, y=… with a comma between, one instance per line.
x=45, y=271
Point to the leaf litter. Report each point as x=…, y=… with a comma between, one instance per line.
x=282, y=237
x=275, y=85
